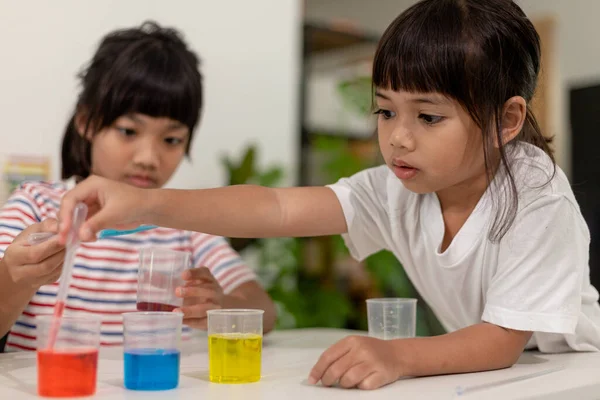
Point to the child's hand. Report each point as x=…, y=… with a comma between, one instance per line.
x=111, y=204
x=34, y=266
x=357, y=361
x=200, y=293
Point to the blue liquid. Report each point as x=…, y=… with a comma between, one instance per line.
x=151, y=369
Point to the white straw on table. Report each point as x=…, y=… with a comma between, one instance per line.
x=469, y=389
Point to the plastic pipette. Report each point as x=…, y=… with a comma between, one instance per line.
x=79, y=215
x=41, y=237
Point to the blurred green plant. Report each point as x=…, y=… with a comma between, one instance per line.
x=302, y=300
x=356, y=94
x=245, y=170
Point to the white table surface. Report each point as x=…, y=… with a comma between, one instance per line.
x=288, y=357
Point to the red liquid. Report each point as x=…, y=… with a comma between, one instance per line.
x=147, y=306
x=67, y=373
x=58, y=312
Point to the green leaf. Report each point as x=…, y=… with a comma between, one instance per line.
x=357, y=94
x=270, y=178
x=331, y=308
x=228, y=164
x=329, y=144
x=246, y=168
x=435, y=326
x=422, y=328
x=339, y=246
x=389, y=275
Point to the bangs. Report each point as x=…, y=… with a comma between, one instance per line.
x=425, y=50
x=154, y=80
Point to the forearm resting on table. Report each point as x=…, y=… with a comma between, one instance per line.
x=480, y=347
x=250, y=211
x=13, y=300
x=250, y=295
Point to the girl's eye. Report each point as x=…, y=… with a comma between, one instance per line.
x=126, y=131
x=173, y=141
x=431, y=119
x=386, y=114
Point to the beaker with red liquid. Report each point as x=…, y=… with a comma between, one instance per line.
x=69, y=367
x=160, y=273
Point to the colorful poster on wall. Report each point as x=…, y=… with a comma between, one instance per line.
x=21, y=168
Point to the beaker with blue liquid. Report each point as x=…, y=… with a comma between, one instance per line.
x=152, y=347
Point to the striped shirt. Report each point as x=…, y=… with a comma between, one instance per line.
x=104, y=280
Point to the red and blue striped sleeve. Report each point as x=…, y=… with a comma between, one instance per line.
x=226, y=265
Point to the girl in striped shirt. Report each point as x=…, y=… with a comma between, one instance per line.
x=134, y=120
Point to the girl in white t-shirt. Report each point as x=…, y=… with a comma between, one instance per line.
x=470, y=201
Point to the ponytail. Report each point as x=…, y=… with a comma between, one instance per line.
x=76, y=153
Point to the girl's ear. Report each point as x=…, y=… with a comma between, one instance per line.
x=80, y=121
x=512, y=118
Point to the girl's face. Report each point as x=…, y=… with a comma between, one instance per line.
x=140, y=150
x=429, y=141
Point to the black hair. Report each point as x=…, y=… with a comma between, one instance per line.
x=148, y=70
x=479, y=53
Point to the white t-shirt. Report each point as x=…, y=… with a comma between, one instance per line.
x=535, y=279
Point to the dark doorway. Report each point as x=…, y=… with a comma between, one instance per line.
x=585, y=153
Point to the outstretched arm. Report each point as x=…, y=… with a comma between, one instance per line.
x=234, y=211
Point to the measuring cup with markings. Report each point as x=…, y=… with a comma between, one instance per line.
x=392, y=318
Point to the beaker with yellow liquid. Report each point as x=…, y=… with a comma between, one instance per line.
x=235, y=345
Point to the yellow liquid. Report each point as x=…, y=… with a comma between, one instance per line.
x=234, y=358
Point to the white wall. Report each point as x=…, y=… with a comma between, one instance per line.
x=577, y=56
x=250, y=54
x=577, y=35
x=372, y=16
